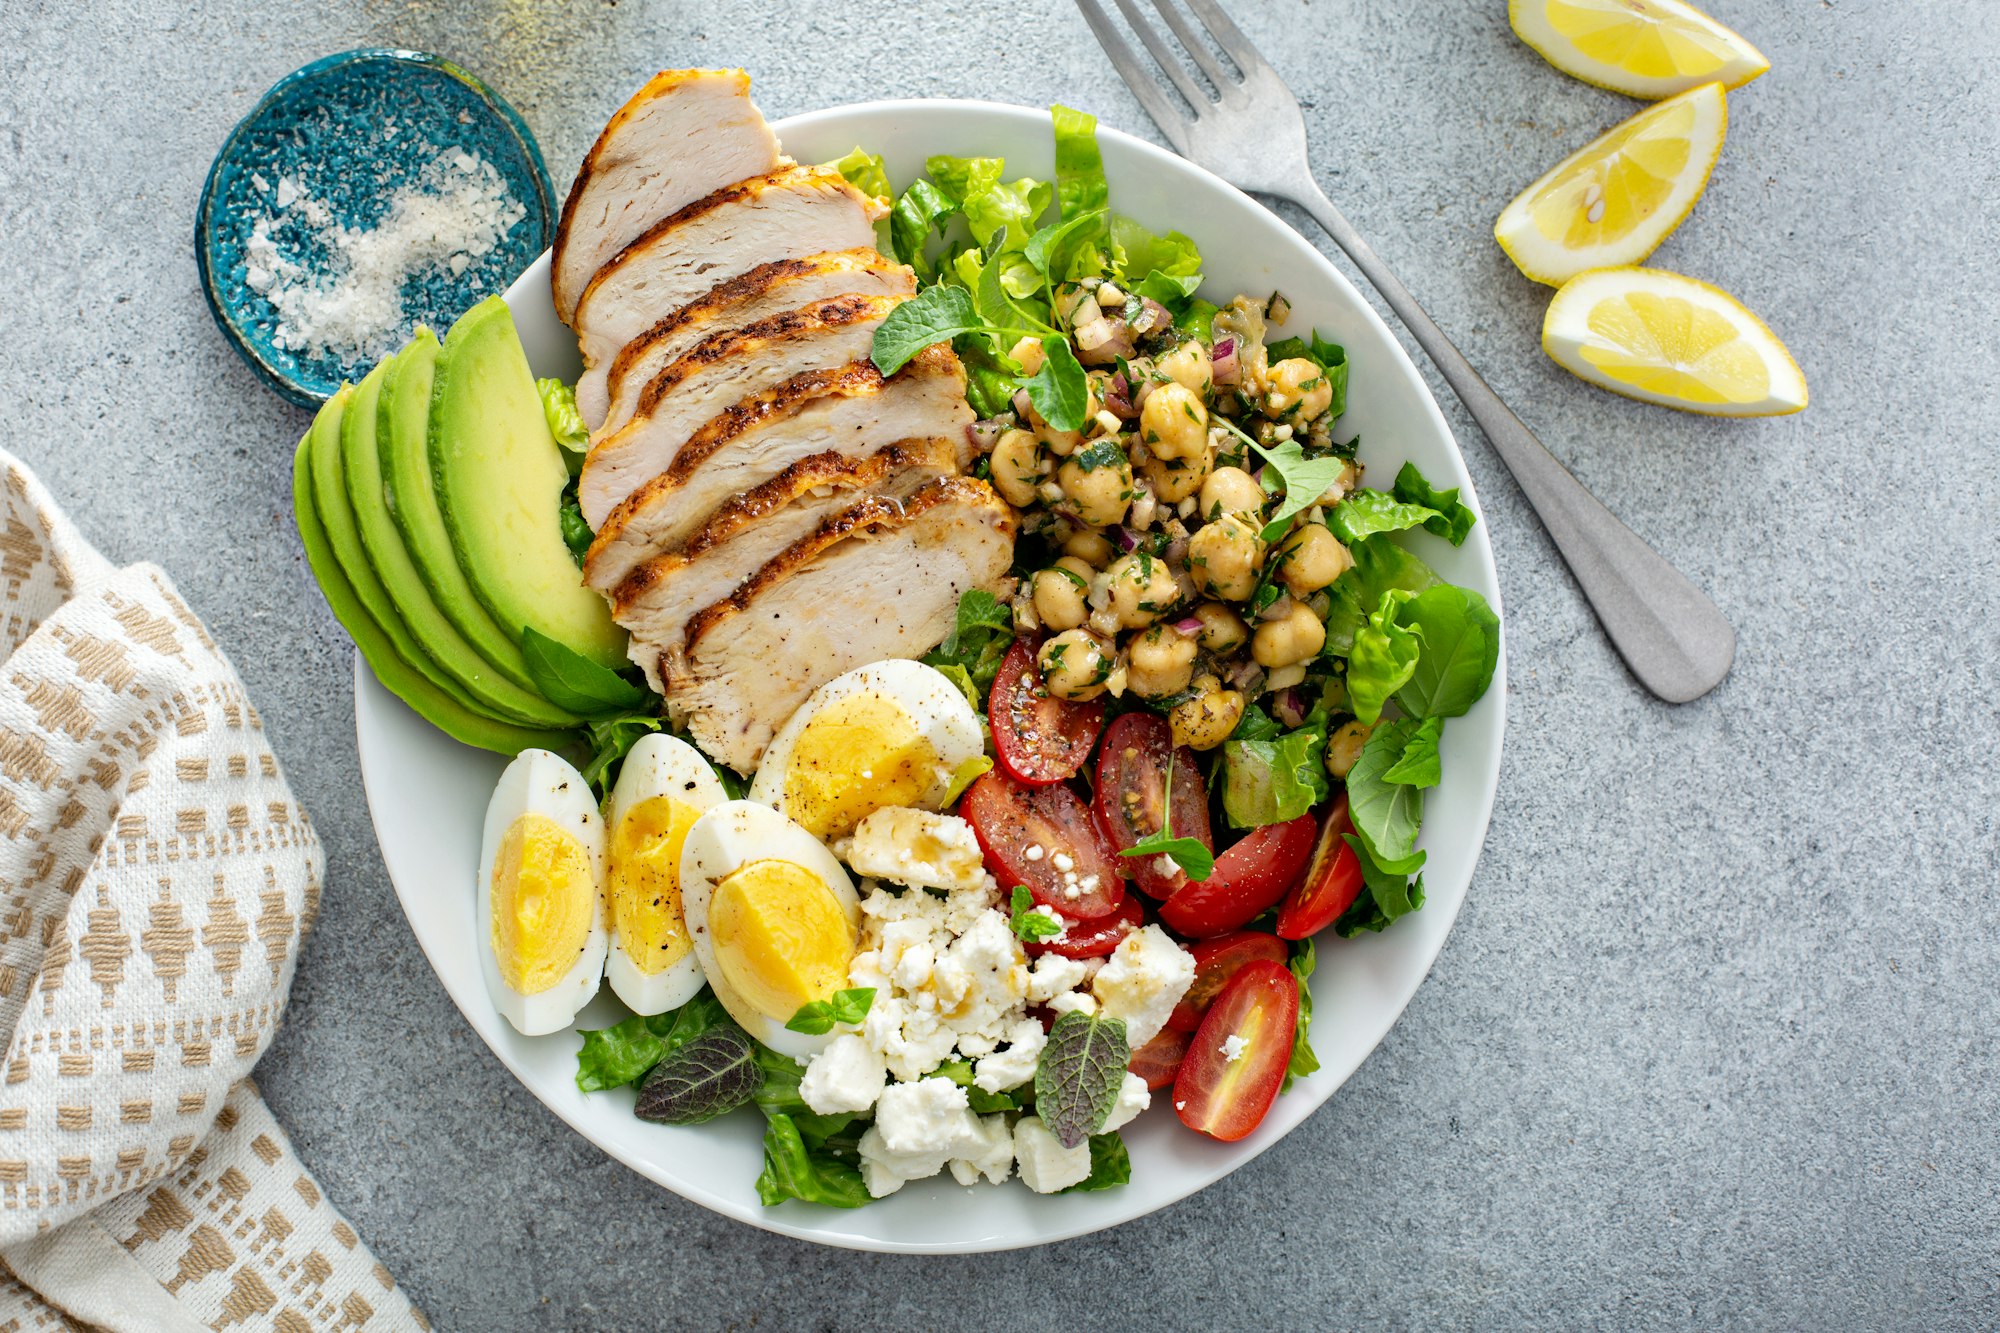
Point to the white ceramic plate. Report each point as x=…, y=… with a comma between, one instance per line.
x=428, y=794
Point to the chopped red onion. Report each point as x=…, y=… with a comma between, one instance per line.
x=1022, y=403
x=985, y=434
x=1127, y=539
x=1278, y=609
x=1152, y=315
x=1102, y=343
x=1223, y=363
x=1290, y=708
x=1118, y=397
x=1246, y=674
x=1189, y=625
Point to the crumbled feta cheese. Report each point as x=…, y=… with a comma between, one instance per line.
x=925, y=1118
x=1052, y=975
x=1133, y=1097
x=1082, y=1002
x=1146, y=977
x=845, y=1077
x=1016, y=1065
x=1034, y=852
x=1063, y=862
x=972, y=1045
x=1046, y=1166
x=917, y=848
x=992, y=1156
x=1233, y=1047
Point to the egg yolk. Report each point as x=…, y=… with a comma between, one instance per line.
x=544, y=899
x=781, y=938
x=645, y=883
x=857, y=755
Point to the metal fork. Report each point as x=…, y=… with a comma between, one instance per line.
x=1253, y=135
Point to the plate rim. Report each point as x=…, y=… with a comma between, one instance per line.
x=370, y=694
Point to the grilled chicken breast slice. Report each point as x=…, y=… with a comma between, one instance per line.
x=686, y=134
x=607, y=395
x=880, y=580
x=719, y=373
x=744, y=535
x=785, y=214
x=851, y=410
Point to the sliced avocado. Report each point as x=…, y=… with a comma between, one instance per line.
x=402, y=680
x=500, y=476
x=430, y=642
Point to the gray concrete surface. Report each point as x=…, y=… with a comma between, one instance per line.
x=1713, y=1044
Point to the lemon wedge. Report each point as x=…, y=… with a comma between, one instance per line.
x=1642, y=48
x=1663, y=338
x=1614, y=200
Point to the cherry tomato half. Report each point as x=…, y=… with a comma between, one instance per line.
x=1044, y=837
x=1248, y=879
x=1215, y=962
x=1236, y=1063
x=1131, y=783
x=1038, y=738
x=1096, y=938
x=1160, y=1059
x=1331, y=884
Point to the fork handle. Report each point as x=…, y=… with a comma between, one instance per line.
x=1672, y=637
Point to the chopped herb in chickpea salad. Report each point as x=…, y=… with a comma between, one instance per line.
x=1221, y=683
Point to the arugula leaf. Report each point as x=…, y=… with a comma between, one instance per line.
x=610, y=740
x=1275, y=780
x=1418, y=765
x=1196, y=861
x=708, y=1076
x=1386, y=894
x=972, y=769
x=1386, y=814
x=1080, y=184
x=1383, y=659
x=623, y=1052
x=1304, y=958
x=1461, y=649
x=792, y=1171
x=816, y=1017
x=565, y=422
x=865, y=171
x=1452, y=520
x=1365, y=513
x=979, y=1100
x=934, y=315
x=568, y=679
x=1081, y=1071
x=1059, y=390
x=1304, y=479
x=980, y=637
x=963, y=178
x=920, y=209
x=1030, y=922
x=1110, y=1165
x=1331, y=358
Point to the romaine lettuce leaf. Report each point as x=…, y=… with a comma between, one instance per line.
x=1080, y=184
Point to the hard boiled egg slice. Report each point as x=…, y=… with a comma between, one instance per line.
x=890, y=734
x=541, y=905
x=662, y=790
x=774, y=919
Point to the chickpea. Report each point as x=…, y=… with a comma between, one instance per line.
x=1159, y=662
x=1098, y=495
x=1343, y=747
x=1296, y=636
x=1142, y=589
x=1231, y=490
x=1059, y=591
x=1091, y=548
x=1313, y=558
x=1188, y=366
x=1224, y=557
x=1017, y=468
x=1206, y=721
x=1174, y=423
x=1222, y=630
x=1028, y=355
x=1174, y=480
x=1075, y=664
x=1297, y=387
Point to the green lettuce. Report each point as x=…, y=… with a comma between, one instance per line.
x=792, y=1170
x=865, y=171
x=1080, y=183
x=1450, y=519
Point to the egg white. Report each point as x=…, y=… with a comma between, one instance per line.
x=658, y=765
x=538, y=782
x=940, y=710
x=726, y=838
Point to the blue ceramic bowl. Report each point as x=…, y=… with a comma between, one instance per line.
x=327, y=149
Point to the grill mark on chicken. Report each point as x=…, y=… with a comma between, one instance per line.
x=833, y=312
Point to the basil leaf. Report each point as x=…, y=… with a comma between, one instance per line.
x=934, y=315
x=1383, y=658
x=1110, y=1165
x=1080, y=184
x=570, y=680
x=977, y=1098
x=1304, y=958
x=1081, y=1070
x=1418, y=765
x=708, y=1076
x=865, y=171
x=1030, y=922
x=1059, y=389
x=1452, y=520
x=1386, y=814
x=792, y=1171
x=1331, y=358
x=1461, y=650
x=1385, y=896
x=911, y=221
x=816, y=1017
x=980, y=637
x=1365, y=513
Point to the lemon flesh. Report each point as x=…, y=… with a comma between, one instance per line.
x=1672, y=340
x=544, y=899
x=1613, y=201
x=781, y=937
x=1642, y=48
x=645, y=883
x=859, y=754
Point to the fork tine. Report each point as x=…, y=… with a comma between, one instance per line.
x=1196, y=48
x=1137, y=77
x=1163, y=56
x=1230, y=38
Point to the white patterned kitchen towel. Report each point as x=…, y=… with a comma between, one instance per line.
x=156, y=879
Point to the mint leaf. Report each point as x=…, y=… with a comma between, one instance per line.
x=1304, y=958
x=843, y=1006
x=568, y=679
x=1451, y=521
x=1031, y=923
x=794, y=1171
x=1304, y=479
x=1418, y=765
x=1059, y=390
x=708, y=1076
x=1461, y=650
x=934, y=315
x=1081, y=1070
x=1110, y=1165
